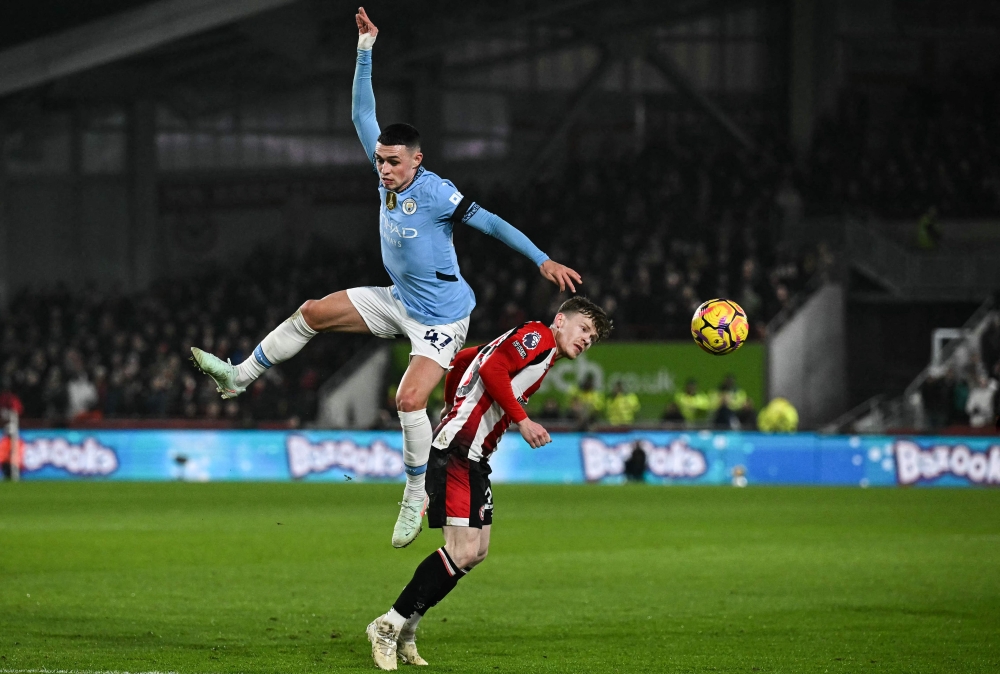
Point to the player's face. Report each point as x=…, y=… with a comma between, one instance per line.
x=574, y=333
x=396, y=165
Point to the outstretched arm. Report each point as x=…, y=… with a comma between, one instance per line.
x=363, y=97
x=497, y=227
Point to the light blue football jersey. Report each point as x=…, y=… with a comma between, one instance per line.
x=415, y=226
x=418, y=251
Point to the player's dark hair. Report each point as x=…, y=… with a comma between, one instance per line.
x=581, y=305
x=400, y=134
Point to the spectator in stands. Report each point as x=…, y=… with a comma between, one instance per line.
x=621, y=407
x=778, y=416
x=981, y=403
x=672, y=413
x=550, y=410
x=989, y=343
x=928, y=230
x=81, y=395
x=6, y=458
x=733, y=407
x=959, y=387
x=695, y=406
x=586, y=400
x=10, y=408
x=936, y=392
x=635, y=465
x=387, y=417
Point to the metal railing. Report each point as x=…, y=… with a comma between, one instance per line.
x=879, y=413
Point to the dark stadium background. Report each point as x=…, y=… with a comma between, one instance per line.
x=179, y=173
x=189, y=177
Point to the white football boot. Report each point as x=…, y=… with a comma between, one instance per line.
x=406, y=649
x=409, y=524
x=224, y=374
x=383, y=637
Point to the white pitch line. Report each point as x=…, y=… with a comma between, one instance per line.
x=72, y=671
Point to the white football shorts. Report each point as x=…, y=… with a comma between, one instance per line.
x=386, y=317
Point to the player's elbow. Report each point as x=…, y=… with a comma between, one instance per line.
x=491, y=225
x=361, y=114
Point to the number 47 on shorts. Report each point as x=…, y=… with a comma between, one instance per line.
x=438, y=340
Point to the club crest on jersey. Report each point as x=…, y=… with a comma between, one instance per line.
x=532, y=339
x=390, y=200
x=409, y=206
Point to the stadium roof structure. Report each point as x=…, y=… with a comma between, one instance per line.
x=198, y=57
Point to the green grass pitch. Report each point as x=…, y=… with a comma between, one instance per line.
x=284, y=578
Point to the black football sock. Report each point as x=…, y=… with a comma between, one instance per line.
x=434, y=578
x=462, y=573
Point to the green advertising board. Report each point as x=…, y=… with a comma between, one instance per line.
x=654, y=371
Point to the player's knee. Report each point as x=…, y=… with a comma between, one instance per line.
x=463, y=561
x=312, y=313
x=410, y=401
x=464, y=557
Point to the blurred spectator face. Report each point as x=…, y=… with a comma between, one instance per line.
x=781, y=292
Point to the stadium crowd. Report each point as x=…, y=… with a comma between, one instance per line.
x=90, y=356
x=691, y=217
x=940, y=148
x=653, y=237
x=650, y=249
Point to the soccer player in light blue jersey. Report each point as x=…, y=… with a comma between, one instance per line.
x=429, y=301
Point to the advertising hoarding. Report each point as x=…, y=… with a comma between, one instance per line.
x=695, y=457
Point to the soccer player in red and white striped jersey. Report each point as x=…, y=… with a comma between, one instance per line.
x=486, y=391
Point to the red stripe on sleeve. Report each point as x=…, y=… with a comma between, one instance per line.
x=459, y=365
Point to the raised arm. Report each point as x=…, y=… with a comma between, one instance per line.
x=363, y=97
x=497, y=227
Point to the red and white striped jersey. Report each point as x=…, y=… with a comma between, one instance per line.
x=488, y=387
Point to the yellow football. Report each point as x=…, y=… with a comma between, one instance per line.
x=719, y=326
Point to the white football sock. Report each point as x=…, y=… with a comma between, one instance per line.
x=410, y=628
x=416, y=451
x=282, y=343
x=395, y=619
